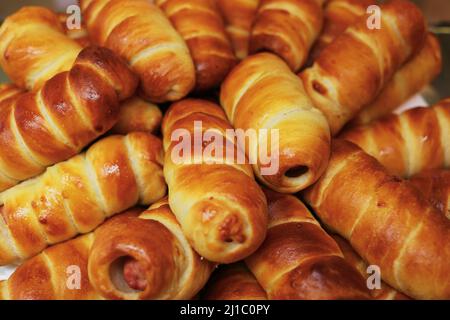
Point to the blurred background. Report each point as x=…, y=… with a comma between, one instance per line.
x=436, y=11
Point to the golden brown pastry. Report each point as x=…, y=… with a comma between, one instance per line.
x=220, y=207
x=299, y=260
x=80, y=34
x=137, y=114
x=139, y=31
x=406, y=144
x=386, y=221
x=338, y=16
x=200, y=24
x=75, y=196
x=9, y=91
x=34, y=47
x=386, y=292
x=146, y=258
x=54, y=123
x=58, y=273
x=106, y=262
x=409, y=80
x=233, y=282
x=435, y=186
x=262, y=93
x=128, y=120
x=239, y=16
x=287, y=28
x=350, y=72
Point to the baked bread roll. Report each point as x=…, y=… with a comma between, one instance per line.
x=415, y=74
x=34, y=47
x=338, y=16
x=138, y=31
x=299, y=260
x=233, y=282
x=435, y=186
x=58, y=273
x=239, y=16
x=53, y=44
x=220, y=207
x=261, y=93
x=107, y=260
x=75, y=196
x=409, y=80
x=200, y=24
x=386, y=221
x=350, y=72
x=80, y=34
x=9, y=91
x=136, y=114
x=128, y=120
x=146, y=258
x=386, y=292
x=287, y=28
x=406, y=144
x=54, y=123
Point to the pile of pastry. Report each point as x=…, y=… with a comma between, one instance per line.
x=98, y=200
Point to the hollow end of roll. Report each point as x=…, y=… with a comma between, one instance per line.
x=126, y=275
x=299, y=175
x=119, y=278
x=222, y=232
x=293, y=179
x=131, y=259
x=131, y=278
x=296, y=172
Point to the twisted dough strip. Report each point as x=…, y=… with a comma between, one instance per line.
x=386, y=292
x=287, y=28
x=420, y=70
x=150, y=255
x=299, y=260
x=201, y=26
x=9, y=91
x=386, y=221
x=129, y=119
x=239, y=16
x=233, y=282
x=435, y=186
x=46, y=276
x=50, y=125
x=409, y=143
x=150, y=118
x=222, y=210
x=262, y=93
x=25, y=39
x=75, y=196
x=338, y=16
x=136, y=114
x=409, y=80
x=354, y=68
x=153, y=241
x=139, y=32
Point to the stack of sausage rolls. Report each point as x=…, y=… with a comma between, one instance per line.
x=99, y=201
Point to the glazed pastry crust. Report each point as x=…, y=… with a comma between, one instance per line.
x=77, y=195
x=220, y=207
x=140, y=32
x=386, y=220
